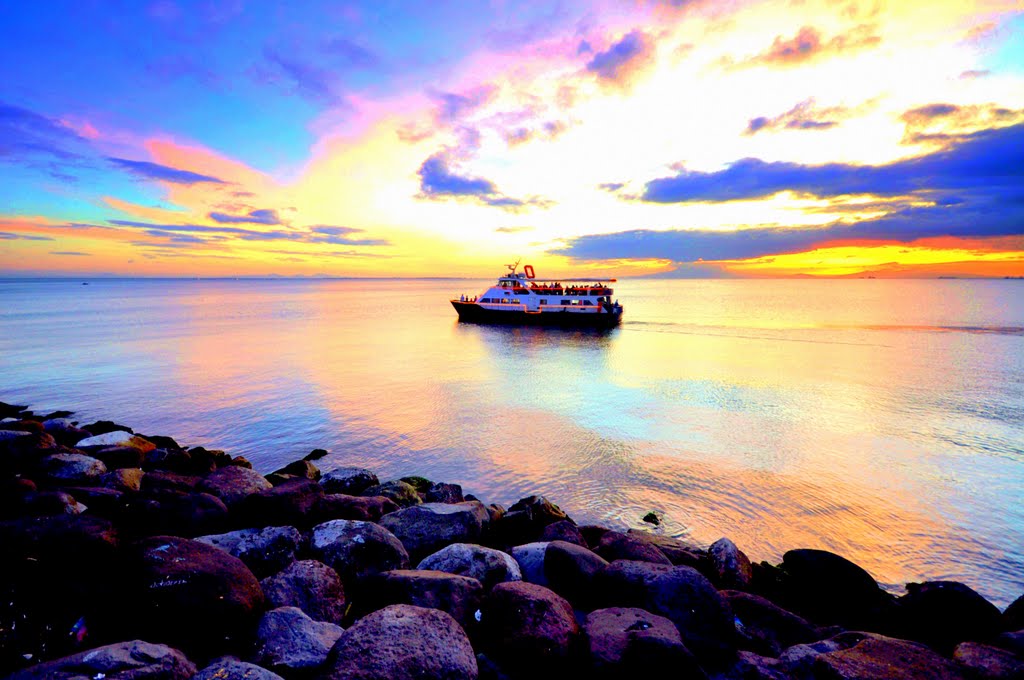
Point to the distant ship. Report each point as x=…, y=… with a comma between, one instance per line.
x=519, y=298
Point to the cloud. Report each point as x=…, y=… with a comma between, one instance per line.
x=973, y=74
x=512, y=230
x=301, y=77
x=342, y=236
x=438, y=181
x=611, y=187
x=622, y=58
x=809, y=44
x=452, y=106
x=320, y=234
x=945, y=123
x=69, y=252
x=264, y=216
x=8, y=236
x=29, y=139
x=351, y=54
x=163, y=173
x=803, y=116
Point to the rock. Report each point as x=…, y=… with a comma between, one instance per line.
x=120, y=661
x=98, y=500
x=203, y=461
x=117, y=457
x=176, y=513
x=230, y=668
x=10, y=410
x=265, y=551
x=943, y=613
x=316, y=454
x=730, y=567
x=444, y=493
x=162, y=442
x=528, y=626
x=351, y=481
x=829, y=589
x=565, y=530
x=530, y=558
x=170, y=460
x=105, y=427
x=615, y=545
x=291, y=502
x=402, y=642
x=766, y=627
x=486, y=565
x=652, y=518
x=160, y=480
x=402, y=493
x=191, y=594
x=64, y=431
x=365, y=508
x=23, y=425
x=680, y=594
x=357, y=550
x=421, y=484
x=625, y=642
x=300, y=468
x=525, y=520
x=458, y=596
x=867, y=656
x=41, y=503
x=425, y=529
x=233, y=484
x=1012, y=641
x=240, y=461
x=984, y=661
x=1013, y=616
x=289, y=642
x=124, y=479
x=570, y=570
x=117, y=438
x=311, y=586
x=678, y=552
x=71, y=468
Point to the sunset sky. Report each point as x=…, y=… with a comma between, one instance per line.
x=686, y=138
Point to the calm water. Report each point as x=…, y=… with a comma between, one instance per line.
x=883, y=420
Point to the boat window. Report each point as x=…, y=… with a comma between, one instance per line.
x=515, y=301
x=566, y=302
x=543, y=301
x=588, y=303
x=507, y=293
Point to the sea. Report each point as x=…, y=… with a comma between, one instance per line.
x=880, y=419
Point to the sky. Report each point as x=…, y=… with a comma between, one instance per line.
x=682, y=138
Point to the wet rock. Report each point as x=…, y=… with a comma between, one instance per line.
x=867, y=656
x=117, y=438
x=486, y=565
x=530, y=558
x=119, y=661
x=357, y=550
x=677, y=551
x=652, y=518
x=402, y=493
x=230, y=668
x=160, y=480
x=1013, y=616
x=300, y=468
x=311, y=586
x=565, y=530
x=71, y=468
x=680, y=594
x=571, y=569
x=233, y=484
x=402, y=642
x=171, y=460
x=351, y=481
x=829, y=589
x=627, y=642
x=729, y=565
x=204, y=461
x=365, y=508
x=289, y=642
x=64, y=431
x=444, y=493
x=291, y=502
x=192, y=595
x=124, y=479
x=22, y=425
x=98, y=500
x=10, y=410
x=42, y=503
x=424, y=529
x=615, y=545
x=421, y=484
x=986, y=662
x=105, y=427
x=316, y=454
x=943, y=613
x=765, y=627
x=176, y=513
x=265, y=551
x=525, y=520
x=459, y=596
x=162, y=441
x=117, y=457
x=528, y=626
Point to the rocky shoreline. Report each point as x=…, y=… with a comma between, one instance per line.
x=127, y=556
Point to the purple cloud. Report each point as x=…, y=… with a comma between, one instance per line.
x=163, y=173
x=619, y=59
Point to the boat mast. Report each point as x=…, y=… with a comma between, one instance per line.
x=512, y=267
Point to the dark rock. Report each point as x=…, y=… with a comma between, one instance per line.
x=729, y=565
x=64, y=431
x=402, y=493
x=230, y=668
x=571, y=570
x=444, y=493
x=316, y=454
x=192, y=594
x=365, y=508
x=866, y=656
x=1011, y=641
x=98, y=500
x=424, y=529
x=289, y=642
x=421, y=484
x=10, y=410
x=25, y=425
x=525, y=520
x=357, y=550
x=677, y=551
x=240, y=461
x=118, y=457
x=175, y=513
x=402, y=642
x=233, y=484
x=1013, y=616
x=681, y=594
x=43, y=503
x=311, y=586
x=351, y=481
x=625, y=642
x=986, y=662
x=120, y=661
x=943, y=613
x=123, y=479
x=486, y=565
x=265, y=551
x=171, y=460
x=292, y=502
x=652, y=518
x=160, y=480
x=615, y=545
x=203, y=461
x=105, y=426
x=565, y=530
x=162, y=442
x=528, y=626
x=459, y=596
x=530, y=558
x=300, y=468
x=71, y=468
x=765, y=627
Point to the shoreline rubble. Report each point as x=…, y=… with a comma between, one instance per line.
x=126, y=555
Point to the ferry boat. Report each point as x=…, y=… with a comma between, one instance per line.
x=520, y=298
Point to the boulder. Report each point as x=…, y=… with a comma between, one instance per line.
x=943, y=613
x=230, y=668
x=764, y=627
x=530, y=558
x=486, y=565
x=311, y=586
x=116, y=438
x=64, y=431
x=162, y=441
x=564, y=530
x=402, y=493
x=626, y=642
x=403, y=642
x=105, y=427
x=365, y=508
x=615, y=545
x=22, y=425
x=1011, y=641
x=681, y=594
x=192, y=594
x=458, y=596
x=175, y=513
x=424, y=529
x=730, y=567
x=171, y=460
x=356, y=549
x=444, y=493
x=316, y=454
x=203, y=461
x=99, y=501
x=570, y=570
x=120, y=661
x=525, y=520
x=351, y=481
x=292, y=502
x=829, y=589
x=528, y=626
x=867, y=656
x=265, y=551
x=300, y=468
x=161, y=480
x=289, y=642
x=123, y=479
x=987, y=662
x=116, y=457
x=71, y=468
x=679, y=552
x=1013, y=616
x=233, y=484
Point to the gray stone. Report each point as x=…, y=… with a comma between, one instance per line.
x=357, y=549
x=426, y=528
x=486, y=565
x=234, y=484
x=134, y=660
x=351, y=481
x=265, y=551
x=230, y=668
x=402, y=493
x=290, y=642
x=459, y=596
x=442, y=492
x=311, y=586
x=627, y=642
x=730, y=565
x=530, y=558
x=72, y=467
